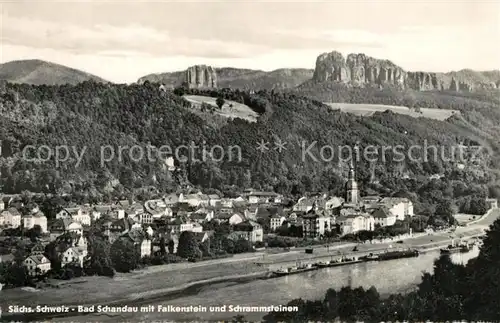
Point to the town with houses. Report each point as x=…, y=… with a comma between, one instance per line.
x=251, y=216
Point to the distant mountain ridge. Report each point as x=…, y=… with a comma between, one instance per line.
x=357, y=70
x=40, y=72
x=203, y=76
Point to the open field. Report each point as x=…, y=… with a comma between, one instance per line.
x=230, y=109
x=370, y=109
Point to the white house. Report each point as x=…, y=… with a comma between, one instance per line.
x=77, y=214
x=194, y=199
x=72, y=254
x=37, y=218
x=231, y=218
x=276, y=221
x=399, y=206
x=12, y=218
x=249, y=230
x=255, y=197
x=37, y=264
x=384, y=217
x=356, y=222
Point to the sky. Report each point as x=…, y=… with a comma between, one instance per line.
x=123, y=40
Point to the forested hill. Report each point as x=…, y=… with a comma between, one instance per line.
x=35, y=71
x=95, y=115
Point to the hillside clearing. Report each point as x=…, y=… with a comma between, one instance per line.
x=370, y=109
x=230, y=109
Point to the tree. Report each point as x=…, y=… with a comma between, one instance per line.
x=242, y=245
x=171, y=246
x=220, y=102
x=34, y=233
x=98, y=260
x=163, y=250
x=188, y=246
x=124, y=255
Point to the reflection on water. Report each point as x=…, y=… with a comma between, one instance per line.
x=388, y=277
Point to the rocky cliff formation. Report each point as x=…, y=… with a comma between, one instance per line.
x=357, y=69
x=201, y=76
x=360, y=70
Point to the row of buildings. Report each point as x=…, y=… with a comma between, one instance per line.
x=144, y=224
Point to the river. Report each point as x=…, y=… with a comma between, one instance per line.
x=388, y=277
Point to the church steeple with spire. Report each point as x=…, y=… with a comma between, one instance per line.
x=351, y=187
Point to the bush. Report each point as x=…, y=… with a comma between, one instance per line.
x=260, y=244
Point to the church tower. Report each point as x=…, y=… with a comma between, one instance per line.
x=351, y=187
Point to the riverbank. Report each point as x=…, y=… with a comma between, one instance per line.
x=165, y=280
x=122, y=291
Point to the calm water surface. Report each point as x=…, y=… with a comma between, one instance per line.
x=388, y=277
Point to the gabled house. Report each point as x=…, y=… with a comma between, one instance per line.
x=72, y=255
x=78, y=214
x=231, y=218
x=37, y=265
x=118, y=227
x=61, y=226
x=353, y=223
x=384, y=217
x=249, y=230
x=12, y=218
x=99, y=210
x=38, y=249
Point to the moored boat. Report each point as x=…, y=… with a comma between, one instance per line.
x=451, y=249
x=294, y=270
x=389, y=255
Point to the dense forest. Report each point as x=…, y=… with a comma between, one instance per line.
x=92, y=115
x=451, y=293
